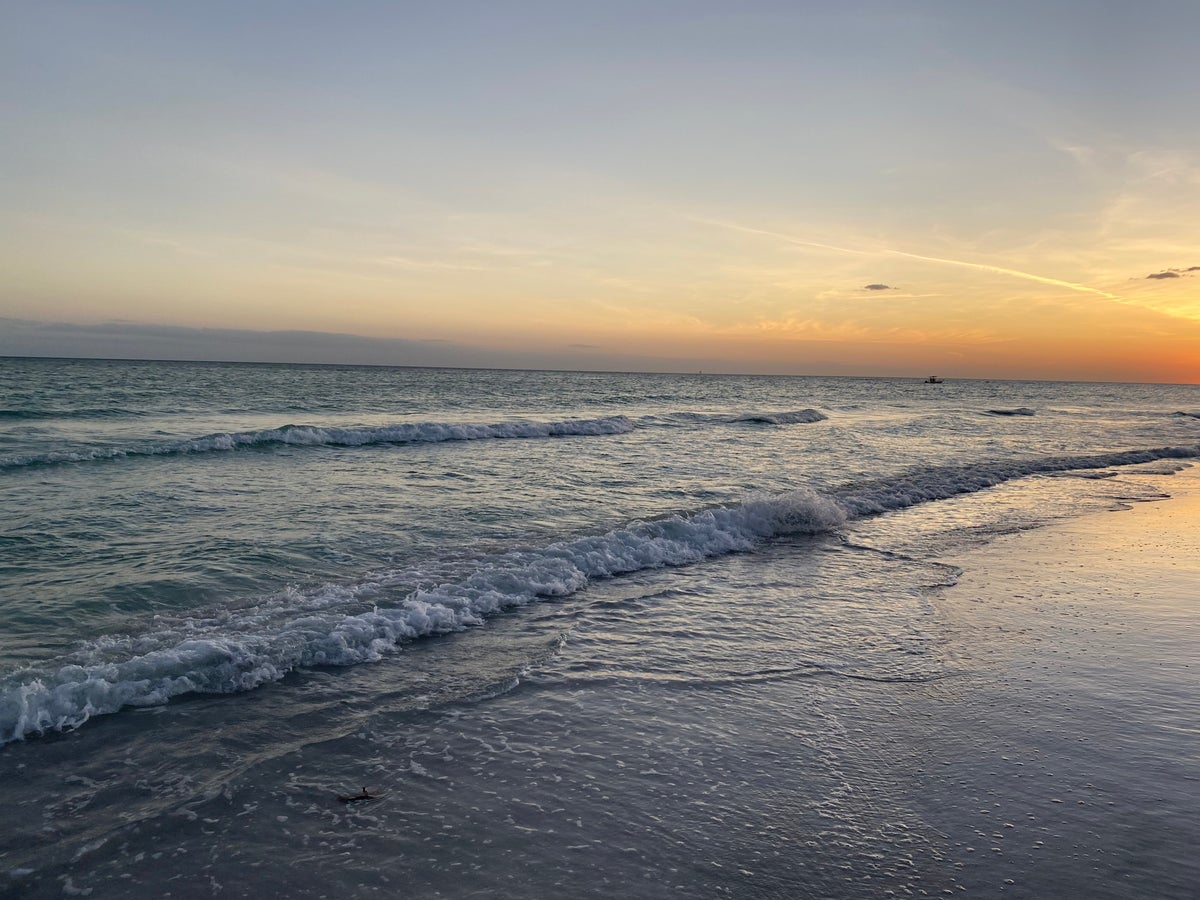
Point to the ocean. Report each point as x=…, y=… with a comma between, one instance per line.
x=576, y=634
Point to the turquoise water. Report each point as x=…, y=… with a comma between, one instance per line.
x=231, y=591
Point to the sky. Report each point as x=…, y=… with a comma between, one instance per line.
x=998, y=190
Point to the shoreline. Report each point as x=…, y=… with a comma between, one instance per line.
x=1064, y=760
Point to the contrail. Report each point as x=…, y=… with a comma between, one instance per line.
x=982, y=267
x=782, y=237
x=1028, y=276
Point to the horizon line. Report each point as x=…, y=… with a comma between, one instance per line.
x=364, y=365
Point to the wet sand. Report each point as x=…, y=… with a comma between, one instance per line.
x=1063, y=760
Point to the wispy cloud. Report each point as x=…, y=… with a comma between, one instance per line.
x=745, y=229
x=1159, y=165
x=406, y=262
x=878, y=287
x=1084, y=156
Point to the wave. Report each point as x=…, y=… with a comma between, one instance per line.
x=1019, y=411
x=873, y=497
x=43, y=414
x=799, y=417
x=796, y=417
x=402, y=433
x=1191, y=415
x=33, y=415
x=313, y=435
x=238, y=650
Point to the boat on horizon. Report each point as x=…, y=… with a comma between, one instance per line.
x=933, y=379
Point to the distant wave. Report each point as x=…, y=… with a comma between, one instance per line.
x=43, y=414
x=799, y=417
x=796, y=417
x=313, y=435
x=402, y=433
x=1192, y=415
x=239, y=650
x=1019, y=411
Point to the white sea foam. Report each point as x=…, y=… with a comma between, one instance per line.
x=237, y=650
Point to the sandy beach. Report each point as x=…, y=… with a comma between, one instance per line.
x=1064, y=760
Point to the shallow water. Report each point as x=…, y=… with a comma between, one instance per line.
x=583, y=633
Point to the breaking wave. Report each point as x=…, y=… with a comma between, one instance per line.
x=402, y=433
x=1019, y=411
x=313, y=435
x=238, y=650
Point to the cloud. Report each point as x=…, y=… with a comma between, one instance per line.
x=1086, y=157
x=130, y=340
x=1170, y=273
x=878, y=287
x=407, y=262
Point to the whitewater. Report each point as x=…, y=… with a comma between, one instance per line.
x=212, y=571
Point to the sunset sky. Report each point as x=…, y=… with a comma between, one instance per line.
x=969, y=189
